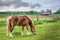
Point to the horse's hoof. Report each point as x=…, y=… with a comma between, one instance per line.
x=28, y=33
x=11, y=36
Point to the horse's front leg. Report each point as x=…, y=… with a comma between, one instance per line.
x=27, y=29
x=11, y=29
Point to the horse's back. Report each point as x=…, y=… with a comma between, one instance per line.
x=20, y=20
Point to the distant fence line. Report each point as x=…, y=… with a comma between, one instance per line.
x=34, y=16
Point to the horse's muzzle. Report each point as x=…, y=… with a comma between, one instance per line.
x=34, y=33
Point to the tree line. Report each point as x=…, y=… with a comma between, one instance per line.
x=7, y=13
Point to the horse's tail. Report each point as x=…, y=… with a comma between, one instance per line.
x=8, y=25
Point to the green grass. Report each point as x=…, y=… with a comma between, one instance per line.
x=46, y=30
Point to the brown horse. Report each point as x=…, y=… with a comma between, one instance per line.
x=21, y=21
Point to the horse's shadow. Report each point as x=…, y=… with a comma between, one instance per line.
x=19, y=34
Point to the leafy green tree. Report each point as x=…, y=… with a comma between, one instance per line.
x=58, y=11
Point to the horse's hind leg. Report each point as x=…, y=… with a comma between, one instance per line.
x=27, y=29
x=22, y=33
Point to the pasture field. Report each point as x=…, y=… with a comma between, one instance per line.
x=45, y=30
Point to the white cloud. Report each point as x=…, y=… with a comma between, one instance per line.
x=11, y=8
x=18, y=3
x=23, y=9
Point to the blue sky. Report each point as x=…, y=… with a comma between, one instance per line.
x=45, y=4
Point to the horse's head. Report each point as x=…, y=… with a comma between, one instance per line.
x=33, y=30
